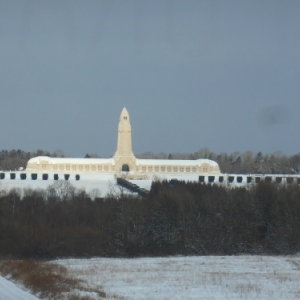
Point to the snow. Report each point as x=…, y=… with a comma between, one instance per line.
x=193, y=277
x=9, y=291
x=66, y=160
x=104, y=183
x=175, y=162
x=203, y=277
x=111, y=161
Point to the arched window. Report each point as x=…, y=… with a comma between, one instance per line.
x=125, y=168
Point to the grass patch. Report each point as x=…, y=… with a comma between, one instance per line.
x=46, y=280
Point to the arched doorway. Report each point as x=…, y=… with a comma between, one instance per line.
x=125, y=168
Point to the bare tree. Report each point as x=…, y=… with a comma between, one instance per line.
x=61, y=189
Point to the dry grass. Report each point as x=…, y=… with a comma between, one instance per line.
x=48, y=281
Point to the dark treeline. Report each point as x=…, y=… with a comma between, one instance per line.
x=237, y=162
x=16, y=159
x=176, y=218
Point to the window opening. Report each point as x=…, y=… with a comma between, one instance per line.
x=268, y=179
x=125, y=168
x=211, y=179
x=239, y=179
x=201, y=178
x=230, y=179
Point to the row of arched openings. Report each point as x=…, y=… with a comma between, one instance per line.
x=34, y=176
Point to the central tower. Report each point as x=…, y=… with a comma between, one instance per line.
x=124, y=157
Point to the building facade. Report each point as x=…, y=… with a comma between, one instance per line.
x=123, y=162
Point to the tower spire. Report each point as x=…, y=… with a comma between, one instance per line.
x=124, y=146
x=124, y=154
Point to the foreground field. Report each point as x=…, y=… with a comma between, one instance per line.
x=10, y=291
x=205, y=277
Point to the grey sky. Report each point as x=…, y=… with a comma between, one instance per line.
x=192, y=74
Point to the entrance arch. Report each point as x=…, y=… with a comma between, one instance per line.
x=125, y=168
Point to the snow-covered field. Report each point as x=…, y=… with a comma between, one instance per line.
x=202, y=277
x=199, y=277
x=9, y=291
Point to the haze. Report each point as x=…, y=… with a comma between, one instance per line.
x=192, y=74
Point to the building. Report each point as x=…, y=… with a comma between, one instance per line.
x=107, y=174
x=123, y=163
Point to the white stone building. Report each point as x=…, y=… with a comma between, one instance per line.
x=123, y=162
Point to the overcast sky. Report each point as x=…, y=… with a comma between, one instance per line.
x=193, y=74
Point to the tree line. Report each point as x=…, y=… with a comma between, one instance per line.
x=176, y=218
x=17, y=159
